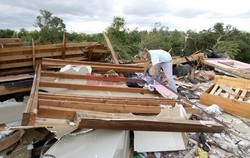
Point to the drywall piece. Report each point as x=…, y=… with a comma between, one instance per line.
x=145, y=141
x=94, y=144
x=11, y=111
x=78, y=70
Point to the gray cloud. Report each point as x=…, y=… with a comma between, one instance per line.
x=91, y=15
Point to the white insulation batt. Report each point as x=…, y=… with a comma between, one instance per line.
x=94, y=144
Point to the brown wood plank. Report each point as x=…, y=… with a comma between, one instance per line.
x=10, y=140
x=243, y=94
x=5, y=90
x=138, y=125
x=231, y=106
x=33, y=54
x=89, y=87
x=114, y=57
x=89, y=77
x=114, y=100
x=214, y=89
x=64, y=45
x=218, y=91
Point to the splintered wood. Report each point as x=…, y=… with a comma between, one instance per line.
x=231, y=94
x=59, y=96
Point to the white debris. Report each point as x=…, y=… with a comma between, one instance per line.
x=214, y=109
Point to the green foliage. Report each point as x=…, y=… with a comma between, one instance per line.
x=51, y=27
x=7, y=33
x=220, y=38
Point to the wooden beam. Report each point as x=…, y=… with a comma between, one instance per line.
x=102, y=120
x=111, y=48
x=33, y=54
x=90, y=87
x=114, y=100
x=30, y=112
x=90, y=77
x=10, y=140
x=64, y=45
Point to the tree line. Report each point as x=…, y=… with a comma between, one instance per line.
x=220, y=38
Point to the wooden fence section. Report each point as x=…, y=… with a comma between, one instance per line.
x=27, y=56
x=10, y=42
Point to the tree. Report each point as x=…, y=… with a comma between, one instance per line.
x=51, y=27
x=7, y=33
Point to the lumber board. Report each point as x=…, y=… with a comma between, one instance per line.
x=90, y=87
x=10, y=140
x=116, y=107
x=233, y=82
x=114, y=57
x=214, y=89
x=4, y=90
x=142, y=123
x=231, y=106
x=10, y=40
x=114, y=100
x=242, y=95
x=218, y=91
x=90, y=77
x=15, y=77
x=232, y=71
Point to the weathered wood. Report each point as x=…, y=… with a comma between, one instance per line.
x=214, y=89
x=64, y=45
x=56, y=63
x=105, y=107
x=10, y=140
x=111, y=48
x=5, y=90
x=90, y=87
x=234, y=104
x=135, y=122
x=33, y=54
x=90, y=77
x=31, y=108
x=113, y=100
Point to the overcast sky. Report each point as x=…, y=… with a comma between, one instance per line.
x=93, y=16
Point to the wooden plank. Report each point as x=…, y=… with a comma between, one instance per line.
x=232, y=71
x=231, y=106
x=111, y=48
x=15, y=77
x=30, y=112
x=237, y=90
x=233, y=82
x=4, y=90
x=214, y=89
x=90, y=77
x=64, y=45
x=89, y=87
x=218, y=91
x=142, y=123
x=54, y=63
x=243, y=94
x=10, y=40
x=10, y=140
x=33, y=54
x=114, y=100
x=104, y=107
